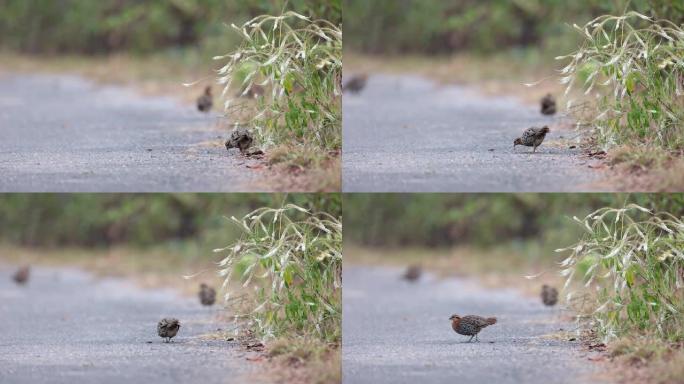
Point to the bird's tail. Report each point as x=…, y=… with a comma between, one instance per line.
x=491, y=320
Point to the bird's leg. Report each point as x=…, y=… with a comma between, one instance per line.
x=471, y=337
x=476, y=339
x=535, y=149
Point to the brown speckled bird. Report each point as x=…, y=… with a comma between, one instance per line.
x=549, y=295
x=241, y=139
x=532, y=137
x=207, y=295
x=548, y=105
x=356, y=83
x=412, y=273
x=206, y=101
x=470, y=325
x=22, y=274
x=168, y=328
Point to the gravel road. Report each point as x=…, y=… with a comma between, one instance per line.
x=67, y=134
x=398, y=332
x=66, y=326
x=406, y=134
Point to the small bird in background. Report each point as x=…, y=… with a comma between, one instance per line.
x=242, y=139
x=206, y=101
x=168, y=328
x=254, y=92
x=548, y=105
x=207, y=295
x=22, y=274
x=356, y=83
x=412, y=273
x=549, y=295
x=532, y=137
x=470, y=325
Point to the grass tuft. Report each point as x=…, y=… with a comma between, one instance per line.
x=632, y=65
x=631, y=262
x=291, y=259
x=299, y=63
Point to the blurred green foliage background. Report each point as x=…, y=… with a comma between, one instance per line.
x=482, y=220
x=482, y=26
x=102, y=26
x=95, y=220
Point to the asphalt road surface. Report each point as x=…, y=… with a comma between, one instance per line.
x=65, y=326
x=66, y=134
x=405, y=134
x=394, y=331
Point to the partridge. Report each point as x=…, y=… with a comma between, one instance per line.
x=412, y=273
x=548, y=105
x=206, y=101
x=356, y=83
x=470, y=325
x=532, y=137
x=549, y=295
x=207, y=295
x=168, y=328
x=22, y=274
x=242, y=139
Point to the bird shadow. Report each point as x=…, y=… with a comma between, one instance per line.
x=172, y=342
x=456, y=342
x=540, y=153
